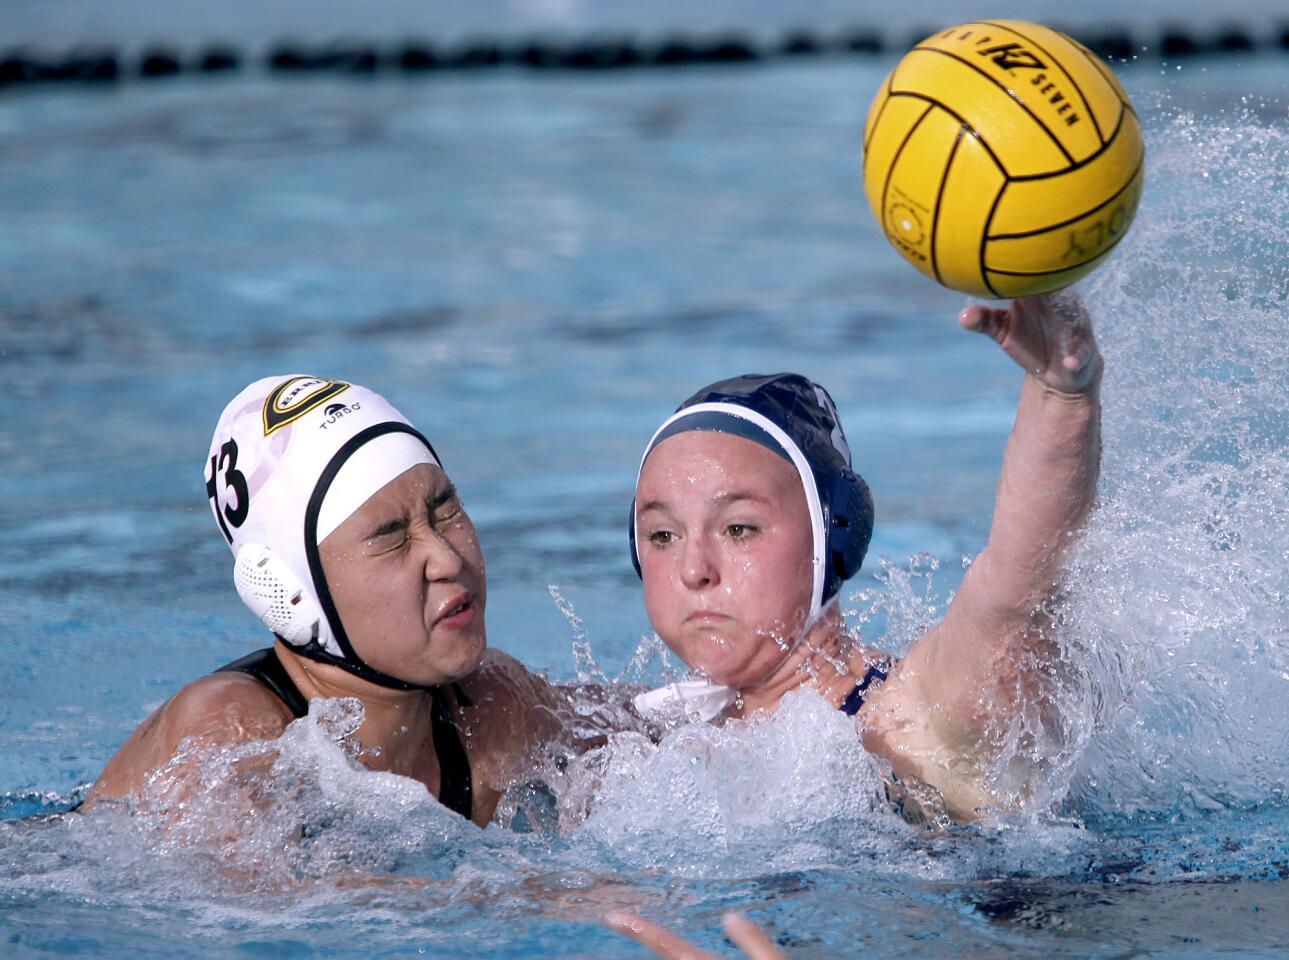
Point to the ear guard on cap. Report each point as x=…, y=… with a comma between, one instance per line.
x=275, y=594
x=850, y=529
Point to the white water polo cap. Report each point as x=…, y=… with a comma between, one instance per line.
x=291, y=459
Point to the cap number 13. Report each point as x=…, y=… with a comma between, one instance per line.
x=235, y=480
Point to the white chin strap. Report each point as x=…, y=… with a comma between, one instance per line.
x=694, y=698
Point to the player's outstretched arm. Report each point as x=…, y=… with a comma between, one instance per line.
x=962, y=683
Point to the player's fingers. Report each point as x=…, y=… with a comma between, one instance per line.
x=987, y=320
x=750, y=938
x=660, y=940
x=1079, y=355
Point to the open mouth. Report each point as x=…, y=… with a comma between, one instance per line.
x=457, y=613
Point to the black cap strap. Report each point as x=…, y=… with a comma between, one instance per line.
x=350, y=661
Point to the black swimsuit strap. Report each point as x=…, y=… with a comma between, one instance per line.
x=855, y=699
x=456, y=787
x=265, y=667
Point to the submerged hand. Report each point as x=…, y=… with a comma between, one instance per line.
x=1050, y=336
x=746, y=934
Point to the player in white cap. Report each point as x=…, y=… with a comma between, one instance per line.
x=352, y=546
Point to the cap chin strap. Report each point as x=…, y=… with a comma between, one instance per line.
x=348, y=658
x=817, y=613
x=359, y=668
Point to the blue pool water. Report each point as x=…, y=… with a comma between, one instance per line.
x=537, y=270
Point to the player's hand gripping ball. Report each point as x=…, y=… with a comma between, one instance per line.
x=1003, y=159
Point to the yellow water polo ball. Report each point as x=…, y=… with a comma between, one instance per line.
x=1003, y=158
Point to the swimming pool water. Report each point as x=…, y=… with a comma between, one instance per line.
x=536, y=270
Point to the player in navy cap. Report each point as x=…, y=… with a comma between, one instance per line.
x=749, y=516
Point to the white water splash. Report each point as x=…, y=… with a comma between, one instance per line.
x=1180, y=588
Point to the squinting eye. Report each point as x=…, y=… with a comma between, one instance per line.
x=388, y=542
x=740, y=531
x=447, y=512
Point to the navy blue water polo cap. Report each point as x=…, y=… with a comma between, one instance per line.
x=796, y=419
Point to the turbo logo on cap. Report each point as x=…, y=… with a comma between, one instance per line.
x=293, y=398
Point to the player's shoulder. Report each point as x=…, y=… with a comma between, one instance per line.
x=218, y=709
x=498, y=664
x=226, y=706
x=503, y=693
x=498, y=679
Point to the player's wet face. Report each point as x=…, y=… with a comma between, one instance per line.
x=406, y=574
x=726, y=553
